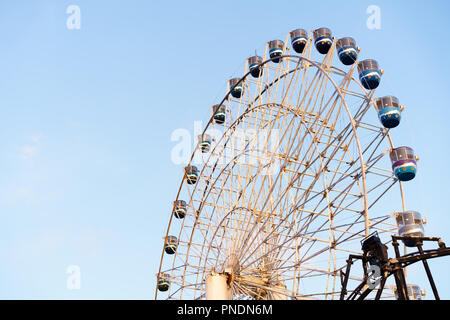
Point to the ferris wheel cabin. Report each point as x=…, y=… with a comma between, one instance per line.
x=299, y=38
x=179, y=209
x=204, y=141
x=163, y=282
x=236, y=87
x=191, y=174
x=347, y=50
x=171, y=244
x=323, y=40
x=276, y=50
x=369, y=74
x=404, y=163
x=410, y=224
x=219, y=113
x=254, y=66
x=414, y=292
x=389, y=111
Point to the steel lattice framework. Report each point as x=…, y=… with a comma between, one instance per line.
x=289, y=188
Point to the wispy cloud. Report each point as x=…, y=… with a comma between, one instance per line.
x=29, y=151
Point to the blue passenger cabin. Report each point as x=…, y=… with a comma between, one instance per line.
x=191, y=174
x=299, y=38
x=204, y=141
x=179, y=209
x=276, y=50
x=347, y=50
x=404, y=163
x=323, y=40
x=369, y=74
x=412, y=290
x=171, y=244
x=219, y=113
x=254, y=66
x=410, y=224
x=389, y=111
x=163, y=282
x=236, y=87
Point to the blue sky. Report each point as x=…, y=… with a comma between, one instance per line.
x=87, y=115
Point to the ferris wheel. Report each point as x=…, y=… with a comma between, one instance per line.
x=294, y=168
